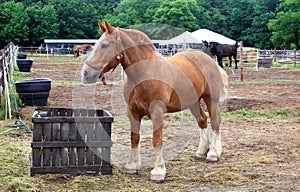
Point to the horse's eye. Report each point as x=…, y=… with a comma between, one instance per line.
x=104, y=45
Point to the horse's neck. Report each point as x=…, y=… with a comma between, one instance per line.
x=141, y=61
x=137, y=47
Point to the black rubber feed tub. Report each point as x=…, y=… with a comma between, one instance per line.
x=34, y=92
x=33, y=85
x=22, y=56
x=34, y=99
x=24, y=65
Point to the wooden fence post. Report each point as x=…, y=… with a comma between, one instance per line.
x=241, y=60
x=257, y=58
x=295, y=58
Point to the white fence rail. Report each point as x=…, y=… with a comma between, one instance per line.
x=7, y=60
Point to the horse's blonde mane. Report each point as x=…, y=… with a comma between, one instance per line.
x=134, y=37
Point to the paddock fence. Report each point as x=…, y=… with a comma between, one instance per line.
x=42, y=51
x=268, y=57
x=260, y=57
x=7, y=59
x=280, y=56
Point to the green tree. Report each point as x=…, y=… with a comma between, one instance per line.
x=246, y=20
x=14, y=23
x=286, y=25
x=132, y=12
x=103, y=7
x=213, y=16
x=258, y=34
x=240, y=16
x=177, y=13
x=43, y=23
x=76, y=19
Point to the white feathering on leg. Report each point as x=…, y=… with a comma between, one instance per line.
x=203, y=143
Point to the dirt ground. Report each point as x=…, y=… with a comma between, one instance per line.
x=260, y=153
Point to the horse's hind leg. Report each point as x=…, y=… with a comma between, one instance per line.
x=204, y=132
x=219, y=59
x=215, y=148
x=134, y=163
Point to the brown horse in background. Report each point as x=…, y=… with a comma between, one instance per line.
x=156, y=85
x=79, y=48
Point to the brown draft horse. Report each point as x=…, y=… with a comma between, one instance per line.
x=156, y=85
x=78, y=48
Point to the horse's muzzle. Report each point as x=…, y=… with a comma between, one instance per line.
x=89, y=75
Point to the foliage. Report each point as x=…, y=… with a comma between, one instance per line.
x=133, y=12
x=286, y=25
x=73, y=14
x=43, y=22
x=258, y=34
x=14, y=23
x=177, y=13
x=158, y=31
x=258, y=23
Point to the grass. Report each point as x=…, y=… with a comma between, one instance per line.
x=184, y=172
x=283, y=112
x=14, y=167
x=289, y=66
x=188, y=117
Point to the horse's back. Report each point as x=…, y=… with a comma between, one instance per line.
x=215, y=77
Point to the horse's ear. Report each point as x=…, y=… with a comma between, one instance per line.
x=101, y=26
x=109, y=28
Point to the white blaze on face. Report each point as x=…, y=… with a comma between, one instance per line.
x=96, y=46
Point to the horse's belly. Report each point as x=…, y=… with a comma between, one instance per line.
x=174, y=98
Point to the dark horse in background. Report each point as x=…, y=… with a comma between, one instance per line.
x=222, y=50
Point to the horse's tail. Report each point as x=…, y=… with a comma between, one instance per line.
x=224, y=88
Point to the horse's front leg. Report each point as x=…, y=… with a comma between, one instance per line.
x=134, y=163
x=230, y=61
x=219, y=59
x=234, y=57
x=159, y=172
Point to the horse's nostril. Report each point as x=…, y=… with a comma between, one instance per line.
x=85, y=74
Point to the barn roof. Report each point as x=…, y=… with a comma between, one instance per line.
x=77, y=41
x=186, y=37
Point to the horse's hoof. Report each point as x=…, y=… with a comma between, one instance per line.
x=200, y=156
x=130, y=171
x=158, y=175
x=211, y=159
x=158, y=178
x=132, y=168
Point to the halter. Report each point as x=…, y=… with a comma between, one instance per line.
x=112, y=64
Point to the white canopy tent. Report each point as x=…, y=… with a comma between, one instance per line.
x=185, y=37
x=198, y=36
x=205, y=34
